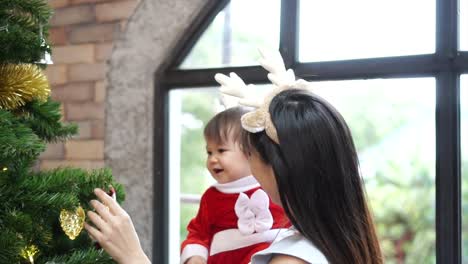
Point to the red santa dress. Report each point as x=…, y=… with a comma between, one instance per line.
x=234, y=221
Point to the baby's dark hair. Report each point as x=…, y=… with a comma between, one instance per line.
x=225, y=125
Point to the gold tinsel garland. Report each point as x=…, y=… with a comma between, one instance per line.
x=21, y=83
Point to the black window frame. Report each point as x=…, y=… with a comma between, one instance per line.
x=445, y=65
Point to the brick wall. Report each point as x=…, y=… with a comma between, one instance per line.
x=82, y=34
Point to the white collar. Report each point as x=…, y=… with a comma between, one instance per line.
x=237, y=186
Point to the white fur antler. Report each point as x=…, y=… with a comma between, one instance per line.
x=259, y=119
x=233, y=85
x=278, y=74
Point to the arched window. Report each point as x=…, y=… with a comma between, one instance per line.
x=394, y=69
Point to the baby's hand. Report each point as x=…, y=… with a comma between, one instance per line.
x=196, y=260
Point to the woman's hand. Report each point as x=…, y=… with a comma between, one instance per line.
x=196, y=260
x=114, y=230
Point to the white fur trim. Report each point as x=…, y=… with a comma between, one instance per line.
x=241, y=185
x=191, y=250
x=231, y=239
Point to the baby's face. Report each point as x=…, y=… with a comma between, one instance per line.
x=225, y=161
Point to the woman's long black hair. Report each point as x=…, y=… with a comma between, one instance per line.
x=317, y=172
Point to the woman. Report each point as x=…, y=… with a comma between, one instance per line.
x=313, y=173
x=302, y=154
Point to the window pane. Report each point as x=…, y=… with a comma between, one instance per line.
x=464, y=164
x=393, y=126
x=464, y=24
x=189, y=111
x=340, y=30
x=187, y=212
x=236, y=33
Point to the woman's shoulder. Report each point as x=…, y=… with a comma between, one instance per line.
x=294, y=248
x=281, y=259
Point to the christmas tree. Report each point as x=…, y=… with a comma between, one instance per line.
x=41, y=212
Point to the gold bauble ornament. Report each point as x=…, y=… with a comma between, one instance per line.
x=72, y=222
x=29, y=252
x=21, y=83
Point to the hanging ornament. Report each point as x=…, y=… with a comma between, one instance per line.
x=21, y=83
x=29, y=252
x=45, y=57
x=72, y=222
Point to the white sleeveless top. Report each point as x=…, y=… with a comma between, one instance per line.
x=291, y=243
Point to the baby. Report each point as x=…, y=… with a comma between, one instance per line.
x=236, y=217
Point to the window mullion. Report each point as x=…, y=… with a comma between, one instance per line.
x=448, y=189
x=289, y=31
x=205, y=77
x=160, y=173
x=447, y=29
x=448, y=197
x=390, y=67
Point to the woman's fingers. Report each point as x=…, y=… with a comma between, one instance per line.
x=102, y=210
x=93, y=232
x=97, y=221
x=102, y=239
x=114, y=230
x=108, y=201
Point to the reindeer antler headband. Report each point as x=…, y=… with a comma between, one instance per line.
x=259, y=119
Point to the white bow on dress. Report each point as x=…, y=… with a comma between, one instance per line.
x=253, y=213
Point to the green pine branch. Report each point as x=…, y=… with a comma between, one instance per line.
x=21, y=22
x=89, y=256
x=69, y=182
x=30, y=209
x=31, y=201
x=10, y=245
x=51, y=191
x=39, y=10
x=44, y=120
x=19, y=146
x=20, y=45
